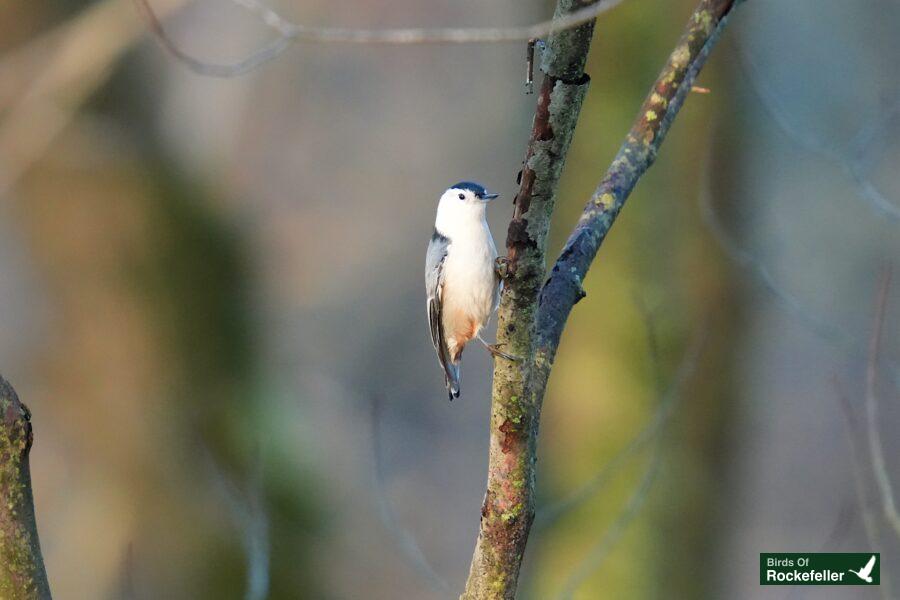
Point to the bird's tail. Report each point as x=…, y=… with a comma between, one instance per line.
x=451, y=379
x=449, y=363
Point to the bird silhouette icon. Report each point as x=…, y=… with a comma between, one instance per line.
x=866, y=572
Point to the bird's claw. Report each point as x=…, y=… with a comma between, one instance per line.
x=501, y=267
x=495, y=351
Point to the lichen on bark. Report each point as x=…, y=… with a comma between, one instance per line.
x=22, y=574
x=563, y=288
x=508, y=508
x=533, y=312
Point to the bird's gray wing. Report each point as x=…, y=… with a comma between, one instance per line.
x=438, y=248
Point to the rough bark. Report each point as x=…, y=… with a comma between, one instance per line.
x=508, y=508
x=22, y=574
x=533, y=313
x=564, y=289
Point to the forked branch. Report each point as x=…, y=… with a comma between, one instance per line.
x=532, y=313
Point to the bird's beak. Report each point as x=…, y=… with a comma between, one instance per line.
x=488, y=197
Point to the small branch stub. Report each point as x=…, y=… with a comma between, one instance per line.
x=508, y=508
x=534, y=308
x=529, y=66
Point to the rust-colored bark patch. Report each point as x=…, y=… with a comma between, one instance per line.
x=541, y=131
x=510, y=433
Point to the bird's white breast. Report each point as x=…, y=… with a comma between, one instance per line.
x=469, y=276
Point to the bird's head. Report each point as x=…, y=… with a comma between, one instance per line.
x=460, y=204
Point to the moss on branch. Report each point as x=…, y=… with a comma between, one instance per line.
x=508, y=508
x=533, y=313
x=22, y=574
x=637, y=153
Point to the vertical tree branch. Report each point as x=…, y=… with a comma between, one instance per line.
x=532, y=317
x=508, y=509
x=22, y=575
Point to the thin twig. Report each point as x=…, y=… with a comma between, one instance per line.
x=258, y=57
x=126, y=584
x=518, y=393
x=668, y=400
x=749, y=261
x=746, y=259
x=876, y=449
x=81, y=54
x=402, y=537
x=842, y=522
x=859, y=474
x=598, y=553
x=289, y=33
x=851, y=163
x=669, y=397
x=653, y=350
x=614, y=533
x=873, y=533
x=249, y=515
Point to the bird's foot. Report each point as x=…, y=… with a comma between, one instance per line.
x=495, y=351
x=501, y=267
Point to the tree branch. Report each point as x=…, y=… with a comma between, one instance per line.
x=852, y=162
x=289, y=33
x=564, y=287
x=873, y=433
x=22, y=574
x=531, y=317
x=49, y=96
x=508, y=509
x=404, y=539
x=860, y=479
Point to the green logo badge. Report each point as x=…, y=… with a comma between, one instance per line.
x=823, y=568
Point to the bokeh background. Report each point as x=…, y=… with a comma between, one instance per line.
x=211, y=296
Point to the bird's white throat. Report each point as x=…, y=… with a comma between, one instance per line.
x=457, y=217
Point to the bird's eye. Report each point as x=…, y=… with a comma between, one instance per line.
x=462, y=196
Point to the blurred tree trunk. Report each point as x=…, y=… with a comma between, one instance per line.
x=22, y=574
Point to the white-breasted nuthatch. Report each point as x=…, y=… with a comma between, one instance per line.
x=461, y=280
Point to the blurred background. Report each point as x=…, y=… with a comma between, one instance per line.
x=211, y=296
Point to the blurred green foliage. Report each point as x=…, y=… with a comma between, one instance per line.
x=654, y=256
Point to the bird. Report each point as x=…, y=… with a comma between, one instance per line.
x=866, y=572
x=461, y=279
